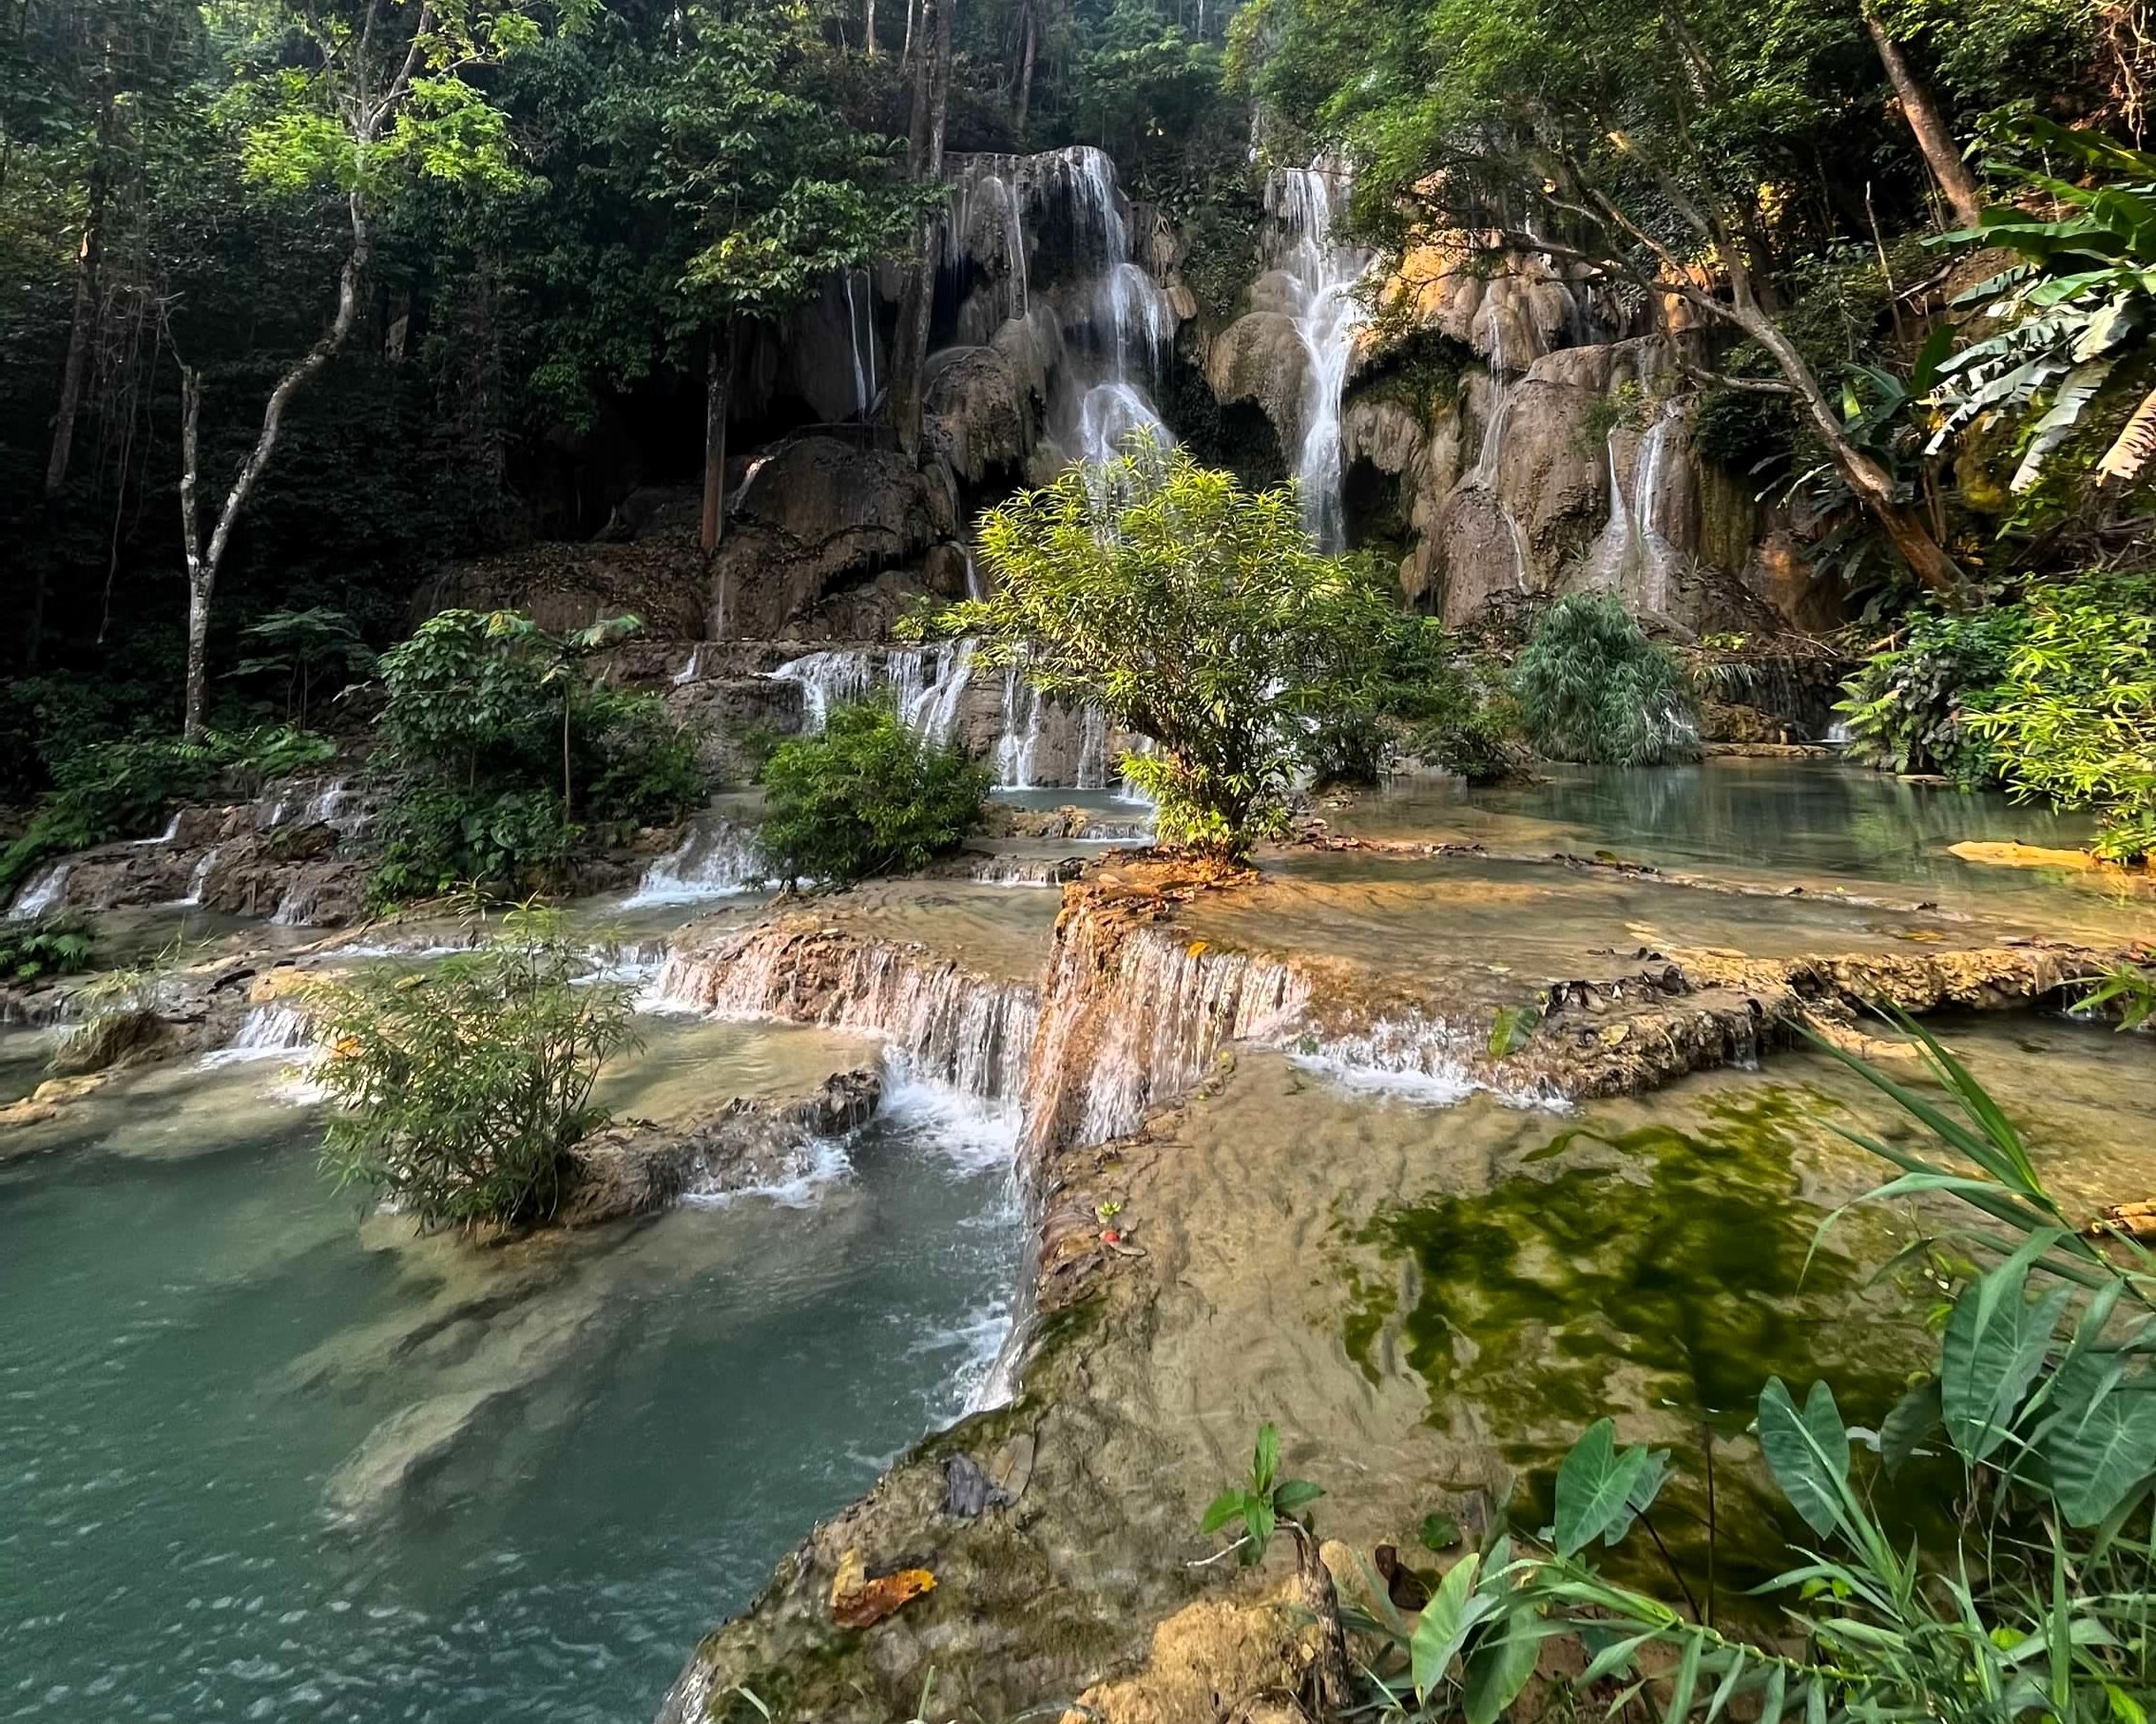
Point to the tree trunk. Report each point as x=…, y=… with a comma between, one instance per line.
x=1313, y=1580
x=868, y=32
x=89, y=257
x=1963, y=193
x=924, y=160
x=203, y=563
x=1872, y=485
x=1028, y=46
x=716, y=382
x=906, y=50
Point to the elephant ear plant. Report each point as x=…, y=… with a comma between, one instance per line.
x=2038, y=1420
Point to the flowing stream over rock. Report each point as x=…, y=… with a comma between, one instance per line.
x=1327, y=315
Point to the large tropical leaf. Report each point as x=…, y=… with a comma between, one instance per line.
x=1807, y=1452
x=1501, y=1662
x=1594, y=1486
x=1446, y=1622
x=1995, y=1344
x=2136, y=442
x=2101, y=1439
x=2057, y=423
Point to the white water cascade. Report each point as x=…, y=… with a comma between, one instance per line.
x=171, y=831
x=928, y=684
x=1019, y=745
x=196, y=880
x=1631, y=553
x=860, y=333
x=1326, y=316
x=715, y=859
x=41, y=895
x=1483, y=476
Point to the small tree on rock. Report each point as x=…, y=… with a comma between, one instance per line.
x=1192, y=611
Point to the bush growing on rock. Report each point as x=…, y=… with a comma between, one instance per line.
x=458, y=1092
x=502, y=749
x=866, y=797
x=1192, y=611
x=1593, y=687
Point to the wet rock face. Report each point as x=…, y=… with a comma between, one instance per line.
x=817, y=515
x=982, y=417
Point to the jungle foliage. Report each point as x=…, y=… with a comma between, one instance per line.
x=40, y=947
x=2030, y=1446
x=502, y=749
x=457, y=1092
x=1592, y=686
x=1194, y=612
x=865, y=796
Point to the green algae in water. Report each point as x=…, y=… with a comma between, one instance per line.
x=1657, y=1272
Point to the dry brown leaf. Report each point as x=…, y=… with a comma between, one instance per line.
x=858, y=1601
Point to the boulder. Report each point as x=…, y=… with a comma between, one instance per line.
x=979, y=416
x=1259, y=358
x=821, y=515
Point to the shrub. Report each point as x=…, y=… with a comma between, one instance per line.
x=2073, y=719
x=502, y=749
x=459, y=1091
x=1192, y=611
x=1908, y=708
x=865, y=796
x=43, y=947
x=2026, y=1456
x=1593, y=687
x=1424, y=700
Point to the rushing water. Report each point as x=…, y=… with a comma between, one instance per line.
x=261, y=1461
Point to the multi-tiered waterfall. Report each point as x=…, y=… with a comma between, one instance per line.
x=1326, y=314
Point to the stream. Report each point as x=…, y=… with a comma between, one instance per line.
x=259, y=1461
x=263, y=1457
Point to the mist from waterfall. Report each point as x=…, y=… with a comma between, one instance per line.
x=1326, y=316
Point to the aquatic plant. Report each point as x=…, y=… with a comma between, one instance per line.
x=458, y=1091
x=1594, y=688
x=2035, y=1432
x=1192, y=611
x=866, y=796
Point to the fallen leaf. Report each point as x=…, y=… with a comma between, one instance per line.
x=858, y=1601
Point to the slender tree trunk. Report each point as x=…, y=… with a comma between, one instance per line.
x=1028, y=46
x=906, y=50
x=90, y=258
x=1934, y=138
x=924, y=157
x=1872, y=485
x=718, y=393
x=204, y=562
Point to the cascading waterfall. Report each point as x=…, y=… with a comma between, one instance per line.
x=171, y=831
x=943, y=1023
x=693, y=669
x=1631, y=552
x=1484, y=474
x=1326, y=317
x=265, y=1032
x=1018, y=746
x=860, y=334
x=928, y=684
x=196, y=880
x=714, y=858
x=41, y=895
x=1092, y=749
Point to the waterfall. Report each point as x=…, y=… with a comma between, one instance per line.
x=1019, y=745
x=977, y=583
x=42, y=893
x=827, y=679
x=1484, y=474
x=1631, y=553
x=1326, y=318
x=171, y=831
x=860, y=334
x=265, y=1031
x=693, y=669
x=196, y=880
x=714, y=859
x=1092, y=749
x=943, y=1023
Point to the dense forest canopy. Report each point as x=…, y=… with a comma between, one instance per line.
x=299, y=302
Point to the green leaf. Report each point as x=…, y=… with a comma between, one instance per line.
x=1593, y=1485
x=1438, y=1532
x=1292, y=1496
x=1994, y=1342
x=1654, y=1471
x=2100, y=1441
x=1226, y=1508
x=1502, y=1661
x=1808, y=1454
x=1265, y=1460
x=1687, y=1679
x=1914, y=1417
x=1259, y=1521
x=1445, y=1624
